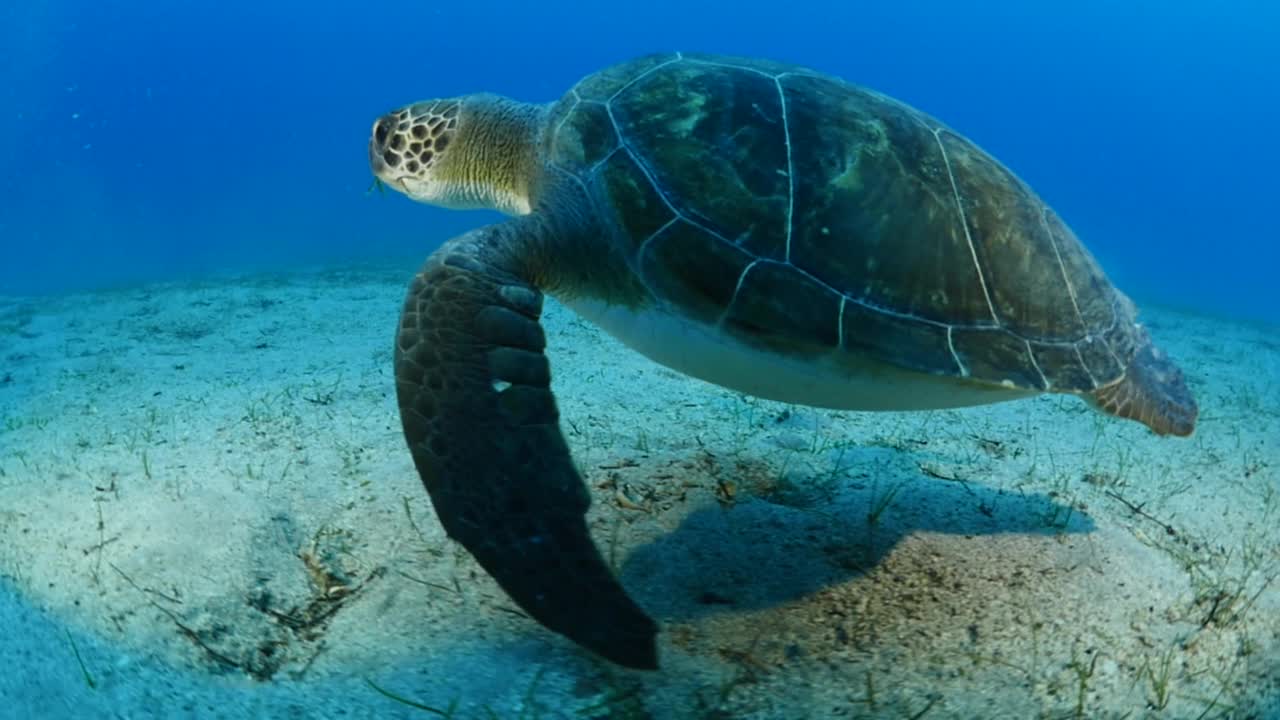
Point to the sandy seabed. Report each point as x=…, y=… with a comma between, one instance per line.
x=207, y=510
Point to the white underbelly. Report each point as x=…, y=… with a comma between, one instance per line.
x=701, y=351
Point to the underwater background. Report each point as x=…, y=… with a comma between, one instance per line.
x=207, y=508
x=146, y=140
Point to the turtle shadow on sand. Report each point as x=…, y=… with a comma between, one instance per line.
x=757, y=553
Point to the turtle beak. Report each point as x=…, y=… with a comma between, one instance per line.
x=378, y=138
x=376, y=163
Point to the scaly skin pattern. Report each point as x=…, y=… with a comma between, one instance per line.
x=474, y=392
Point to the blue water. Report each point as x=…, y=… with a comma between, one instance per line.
x=146, y=140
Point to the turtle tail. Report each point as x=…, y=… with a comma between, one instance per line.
x=1152, y=391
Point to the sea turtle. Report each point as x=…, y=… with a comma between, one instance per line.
x=761, y=226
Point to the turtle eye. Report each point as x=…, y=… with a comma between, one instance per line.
x=380, y=131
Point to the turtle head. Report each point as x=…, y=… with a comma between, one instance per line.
x=476, y=151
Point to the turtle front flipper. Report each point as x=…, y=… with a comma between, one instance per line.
x=480, y=419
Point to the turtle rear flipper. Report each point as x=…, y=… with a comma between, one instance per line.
x=1153, y=392
x=481, y=422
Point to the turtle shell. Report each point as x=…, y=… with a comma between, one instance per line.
x=809, y=216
